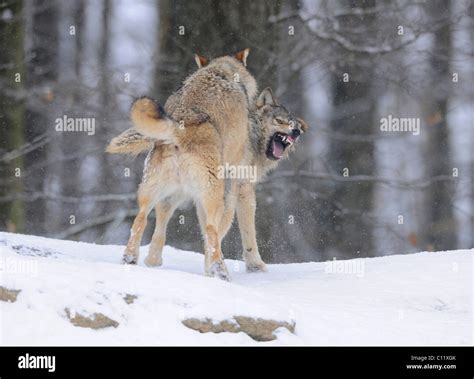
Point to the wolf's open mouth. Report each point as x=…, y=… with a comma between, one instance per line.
x=278, y=144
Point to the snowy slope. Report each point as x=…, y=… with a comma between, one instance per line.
x=417, y=299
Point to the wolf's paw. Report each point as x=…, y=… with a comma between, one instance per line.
x=151, y=261
x=219, y=270
x=129, y=259
x=259, y=266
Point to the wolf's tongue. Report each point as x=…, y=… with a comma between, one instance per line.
x=277, y=149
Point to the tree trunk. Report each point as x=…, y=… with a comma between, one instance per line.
x=71, y=144
x=106, y=180
x=350, y=231
x=440, y=226
x=12, y=122
x=41, y=74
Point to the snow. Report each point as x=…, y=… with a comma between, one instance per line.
x=412, y=299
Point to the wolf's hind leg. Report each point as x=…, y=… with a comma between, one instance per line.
x=226, y=223
x=229, y=211
x=163, y=212
x=246, y=217
x=132, y=250
x=212, y=211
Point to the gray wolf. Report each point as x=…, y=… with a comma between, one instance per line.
x=214, y=120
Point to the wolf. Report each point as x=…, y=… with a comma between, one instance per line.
x=214, y=120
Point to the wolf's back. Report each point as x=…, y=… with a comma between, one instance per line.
x=217, y=93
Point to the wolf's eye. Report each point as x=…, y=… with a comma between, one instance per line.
x=280, y=120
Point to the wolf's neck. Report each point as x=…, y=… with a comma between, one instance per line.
x=258, y=145
x=256, y=135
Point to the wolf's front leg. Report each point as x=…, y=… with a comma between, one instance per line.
x=246, y=217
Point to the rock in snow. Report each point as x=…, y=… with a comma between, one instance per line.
x=257, y=328
x=8, y=294
x=96, y=321
x=83, y=296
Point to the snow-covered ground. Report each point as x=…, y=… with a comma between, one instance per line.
x=416, y=299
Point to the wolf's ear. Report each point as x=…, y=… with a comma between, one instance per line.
x=304, y=126
x=242, y=56
x=266, y=98
x=200, y=61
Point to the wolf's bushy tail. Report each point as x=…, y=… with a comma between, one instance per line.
x=130, y=142
x=150, y=119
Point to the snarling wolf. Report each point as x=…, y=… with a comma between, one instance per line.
x=214, y=120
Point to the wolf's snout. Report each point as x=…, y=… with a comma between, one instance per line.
x=296, y=133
